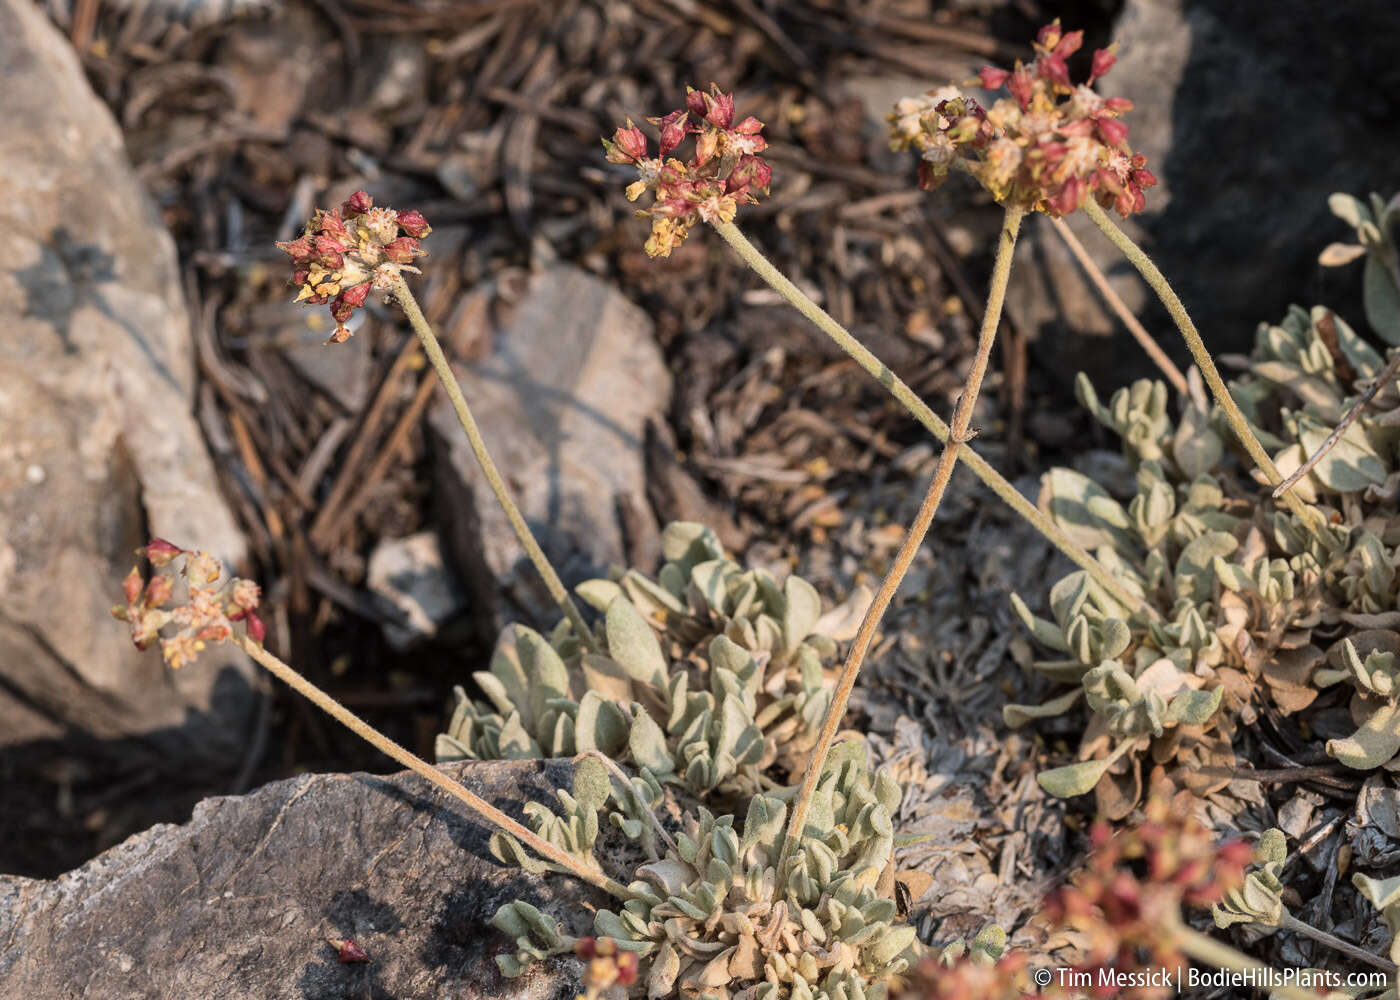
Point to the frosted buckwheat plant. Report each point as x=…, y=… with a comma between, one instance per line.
x=1046, y=148
x=211, y=606
x=723, y=174
x=346, y=253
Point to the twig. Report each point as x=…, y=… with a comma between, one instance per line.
x=1205, y=948
x=921, y=412
x=1120, y=308
x=914, y=537
x=1292, y=923
x=1387, y=373
x=433, y=349
x=364, y=485
x=413, y=762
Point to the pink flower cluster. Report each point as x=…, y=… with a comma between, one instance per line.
x=207, y=615
x=1047, y=148
x=345, y=254
x=1128, y=901
x=724, y=173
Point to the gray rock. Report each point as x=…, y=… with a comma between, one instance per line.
x=563, y=401
x=98, y=449
x=1249, y=123
x=238, y=902
x=409, y=577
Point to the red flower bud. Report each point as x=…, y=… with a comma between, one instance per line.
x=158, y=591
x=627, y=968
x=1118, y=105
x=416, y=226
x=131, y=586
x=674, y=128
x=400, y=251
x=1069, y=44
x=257, y=631
x=1053, y=68
x=695, y=102
x=720, y=110
x=330, y=224
x=358, y=203
x=1103, y=62
x=346, y=949
x=300, y=249
x=1021, y=86
x=160, y=552
x=355, y=295
x=630, y=143
x=749, y=126
x=1113, y=132
x=1049, y=36
x=587, y=947
x=992, y=78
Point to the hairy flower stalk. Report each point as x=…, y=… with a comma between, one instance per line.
x=346, y=253
x=921, y=412
x=914, y=537
x=206, y=615
x=1305, y=513
x=1120, y=308
x=433, y=349
x=418, y=765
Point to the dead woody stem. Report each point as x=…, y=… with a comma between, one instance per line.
x=433, y=349
x=914, y=537
x=921, y=412
x=1387, y=373
x=380, y=742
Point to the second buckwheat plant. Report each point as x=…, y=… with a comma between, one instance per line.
x=1198, y=601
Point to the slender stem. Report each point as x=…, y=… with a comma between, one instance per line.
x=1292, y=923
x=433, y=349
x=931, y=421
x=1387, y=373
x=413, y=762
x=1238, y=423
x=913, y=538
x=1204, y=948
x=1120, y=308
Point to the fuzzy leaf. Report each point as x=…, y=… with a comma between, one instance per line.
x=1016, y=716
x=1086, y=512
x=804, y=608
x=1195, y=572
x=508, y=850
x=632, y=643
x=1352, y=464
x=600, y=725
x=1048, y=633
x=592, y=785
x=842, y=621
x=1375, y=743
x=545, y=672
x=1382, y=300
x=598, y=594
x=647, y=744
x=1349, y=209
x=1192, y=708
x=1073, y=779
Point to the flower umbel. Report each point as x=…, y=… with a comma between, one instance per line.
x=1046, y=148
x=346, y=253
x=724, y=173
x=209, y=611
x=605, y=965
x=1127, y=902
